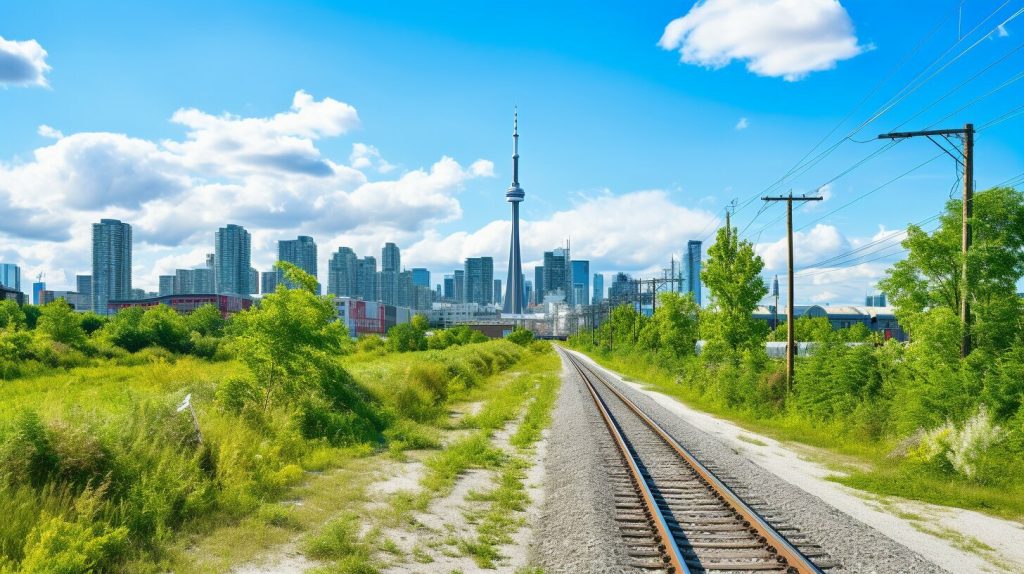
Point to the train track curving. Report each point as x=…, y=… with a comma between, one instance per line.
x=673, y=512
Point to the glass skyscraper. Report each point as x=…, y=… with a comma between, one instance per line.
x=691, y=269
x=479, y=280
x=10, y=276
x=581, y=282
x=598, y=289
x=111, y=263
x=232, y=260
x=343, y=273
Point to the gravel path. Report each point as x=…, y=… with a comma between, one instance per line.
x=850, y=543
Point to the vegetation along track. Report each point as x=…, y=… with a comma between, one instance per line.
x=674, y=513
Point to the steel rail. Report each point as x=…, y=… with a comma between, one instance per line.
x=775, y=541
x=672, y=554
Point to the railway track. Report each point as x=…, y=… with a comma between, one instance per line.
x=675, y=514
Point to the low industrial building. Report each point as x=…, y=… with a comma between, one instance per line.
x=185, y=304
x=369, y=317
x=876, y=319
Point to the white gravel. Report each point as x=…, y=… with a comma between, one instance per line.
x=940, y=534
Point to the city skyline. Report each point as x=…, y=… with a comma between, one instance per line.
x=654, y=145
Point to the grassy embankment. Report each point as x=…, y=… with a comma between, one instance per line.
x=862, y=462
x=101, y=471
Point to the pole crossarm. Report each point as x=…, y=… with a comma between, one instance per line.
x=904, y=135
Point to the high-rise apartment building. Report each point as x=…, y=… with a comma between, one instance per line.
x=369, y=290
x=343, y=273
x=479, y=280
x=390, y=258
x=211, y=264
x=10, y=276
x=449, y=288
x=254, y=281
x=83, y=284
x=691, y=269
x=581, y=282
x=165, y=285
x=598, y=289
x=193, y=281
x=497, y=291
x=299, y=252
x=111, y=263
x=232, y=256
x=460, y=286
x=268, y=282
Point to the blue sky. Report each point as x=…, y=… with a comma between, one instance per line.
x=625, y=148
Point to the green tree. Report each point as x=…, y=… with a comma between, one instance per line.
x=32, y=313
x=164, y=327
x=91, y=322
x=206, y=320
x=289, y=338
x=676, y=323
x=123, y=329
x=59, y=322
x=11, y=315
x=520, y=336
x=930, y=277
x=733, y=275
x=406, y=337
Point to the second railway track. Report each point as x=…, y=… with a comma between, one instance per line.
x=675, y=515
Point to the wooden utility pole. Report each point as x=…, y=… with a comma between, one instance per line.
x=790, y=332
x=966, y=161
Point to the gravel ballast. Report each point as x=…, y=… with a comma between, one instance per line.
x=576, y=531
x=852, y=545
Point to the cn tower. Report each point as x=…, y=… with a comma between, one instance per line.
x=514, y=195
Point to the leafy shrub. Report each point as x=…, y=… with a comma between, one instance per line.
x=237, y=391
x=59, y=546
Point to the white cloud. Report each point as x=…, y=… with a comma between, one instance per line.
x=365, y=156
x=776, y=38
x=1001, y=30
x=265, y=173
x=742, y=124
x=50, y=133
x=820, y=242
x=22, y=63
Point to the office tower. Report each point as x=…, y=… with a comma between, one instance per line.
x=438, y=294
x=497, y=291
x=691, y=269
x=581, y=280
x=598, y=288
x=622, y=290
x=449, y=287
x=514, y=295
x=111, y=263
x=83, y=284
x=528, y=291
x=343, y=273
x=460, y=286
x=268, y=282
x=10, y=276
x=479, y=280
x=390, y=258
x=420, y=277
x=301, y=253
x=538, y=284
x=37, y=292
x=558, y=273
x=166, y=285
x=232, y=256
x=367, y=278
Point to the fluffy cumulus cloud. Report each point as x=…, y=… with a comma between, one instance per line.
x=266, y=173
x=603, y=228
x=777, y=38
x=22, y=63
